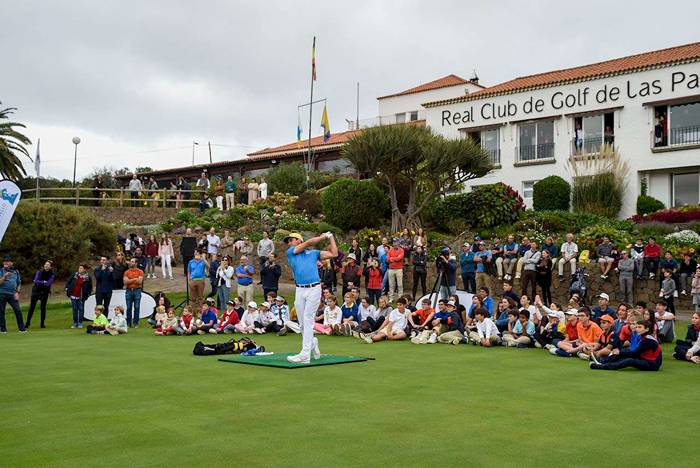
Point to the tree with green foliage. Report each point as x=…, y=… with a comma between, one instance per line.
x=353, y=204
x=413, y=158
x=12, y=145
x=551, y=193
x=287, y=178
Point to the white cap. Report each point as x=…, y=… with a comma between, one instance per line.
x=265, y=304
x=279, y=298
x=571, y=312
x=252, y=304
x=556, y=313
x=604, y=296
x=451, y=303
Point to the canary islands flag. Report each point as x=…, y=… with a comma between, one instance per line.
x=326, y=126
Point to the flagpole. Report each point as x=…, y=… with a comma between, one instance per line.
x=37, y=167
x=311, y=101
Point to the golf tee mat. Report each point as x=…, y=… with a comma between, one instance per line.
x=280, y=360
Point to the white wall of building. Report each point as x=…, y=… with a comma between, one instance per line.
x=623, y=95
x=413, y=102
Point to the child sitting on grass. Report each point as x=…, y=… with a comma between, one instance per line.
x=118, y=323
x=331, y=318
x=486, y=333
x=167, y=326
x=420, y=319
x=561, y=347
x=250, y=316
x=521, y=333
x=266, y=321
x=159, y=317
x=99, y=323
x=553, y=324
x=606, y=341
x=228, y=321
x=689, y=349
x=647, y=356
x=394, y=328
x=455, y=329
x=665, y=320
x=186, y=325
x=351, y=316
x=207, y=320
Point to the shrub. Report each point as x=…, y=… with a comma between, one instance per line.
x=591, y=236
x=367, y=236
x=310, y=202
x=599, y=182
x=353, y=204
x=450, y=207
x=185, y=216
x=279, y=235
x=295, y=222
x=647, y=204
x=492, y=205
x=325, y=227
x=67, y=235
x=551, y=193
x=318, y=179
x=652, y=229
x=287, y=178
x=683, y=238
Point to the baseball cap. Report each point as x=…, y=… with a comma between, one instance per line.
x=607, y=318
x=210, y=300
x=451, y=303
x=7, y=258
x=571, y=312
x=604, y=296
x=556, y=313
x=396, y=239
x=279, y=298
x=265, y=304
x=230, y=302
x=352, y=257
x=293, y=235
x=252, y=304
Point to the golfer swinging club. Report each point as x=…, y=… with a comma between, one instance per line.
x=308, y=291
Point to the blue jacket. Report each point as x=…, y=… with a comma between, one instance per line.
x=104, y=281
x=466, y=261
x=552, y=249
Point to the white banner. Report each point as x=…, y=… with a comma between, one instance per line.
x=9, y=199
x=148, y=303
x=464, y=297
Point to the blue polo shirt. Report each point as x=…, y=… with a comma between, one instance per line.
x=303, y=265
x=196, y=269
x=241, y=270
x=208, y=316
x=480, y=265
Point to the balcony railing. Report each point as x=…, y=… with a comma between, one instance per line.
x=680, y=136
x=495, y=156
x=590, y=145
x=533, y=154
x=382, y=120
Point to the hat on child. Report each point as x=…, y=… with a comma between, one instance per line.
x=210, y=300
x=230, y=303
x=451, y=303
x=604, y=296
x=571, y=312
x=279, y=298
x=607, y=318
x=265, y=304
x=252, y=304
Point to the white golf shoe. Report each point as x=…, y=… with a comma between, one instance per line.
x=299, y=359
x=316, y=351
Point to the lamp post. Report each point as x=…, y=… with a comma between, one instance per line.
x=194, y=143
x=76, y=141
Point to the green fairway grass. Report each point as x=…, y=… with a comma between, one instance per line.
x=72, y=399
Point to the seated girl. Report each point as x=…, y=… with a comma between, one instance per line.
x=689, y=349
x=250, y=316
x=350, y=314
x=332, y=316
x=167, y=326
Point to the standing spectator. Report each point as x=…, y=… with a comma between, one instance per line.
x=196, y=268
x=203, y=183
x=482, y=258
x=262, y=188
x=10, y=285
x=356, y=249
x=420, y=272
x=468, y=268
x=151, y=255
x=626, y=268
x=213, y=243
x=244, y=275
x=530, y=260
x=243, y=189
x=188, y=245
x=141, y=260
x=181, y=186
x=118, y=268
x=104, y=284
x=270, y=273
x=219, y=193
x=214, y=280
x=637, y=252
x=695, y=290
x=265, y=247
x=374, y=281
x=448, y=263
x=569, y=253
x=406, y=244
x=226, y=247
x=350, y=274
x=668, y=263
x=605, y=253
x=394, y=262
x=134, y=189
x=652, y=254
x=78, y=289
x=252, y=191
x=327, y=274
x=224, y=275
x=668, y=290
x=420, y=239
x=686, y=270
x=133, y=282
x=41, y=289
x=96, y=186
x=544, y=276
x=497, y=258
x=552, y=249
x=166, y=254
x=230, y=191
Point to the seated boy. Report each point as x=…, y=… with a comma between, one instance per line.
x=250, y=316
x=647, y=356
x=606, y=342
x=99, y=323
x=186, y=325
x=486, y=333
x=267, y=322
x=281, y=311
x=570, y=341
x=118, y=323
x=228, y=321
x=207, y=320
x=419, y=320
x=552, y=327
x=521, y=332
x=665, y=321
x=394, y=328
x=455, y=328
x=435, y=325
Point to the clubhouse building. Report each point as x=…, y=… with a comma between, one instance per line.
x=647, y=106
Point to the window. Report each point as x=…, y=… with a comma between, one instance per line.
x=414, y=116
x=592, y=131
x=489, y=141
x=676, y=125
x=686, y=189
x=536, y=141
x=401, y=118
x=528, y=188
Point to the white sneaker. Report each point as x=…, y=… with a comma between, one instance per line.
x=316, y=352
x=299, y=359
x=550, y=347
x=553, y=351
x=366, y=338
x=432, y=339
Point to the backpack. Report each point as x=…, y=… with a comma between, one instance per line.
x=230, y=347
x=578, y=283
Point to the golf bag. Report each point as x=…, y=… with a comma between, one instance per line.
x=579, y=284
x=232, y=346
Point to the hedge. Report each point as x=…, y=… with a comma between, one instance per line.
x=354, y=204
x=551, y=193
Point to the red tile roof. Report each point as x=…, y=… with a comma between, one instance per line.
x=444, y=82
x=633, y=63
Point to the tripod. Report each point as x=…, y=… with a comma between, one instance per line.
x=187, y=295
x=440, y=282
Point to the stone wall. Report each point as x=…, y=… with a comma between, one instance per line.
x=138, y=216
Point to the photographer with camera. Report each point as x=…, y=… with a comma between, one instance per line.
x=446, y=264
x=270, y=273
x=104, y=284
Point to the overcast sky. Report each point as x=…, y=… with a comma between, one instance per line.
x=130, y=77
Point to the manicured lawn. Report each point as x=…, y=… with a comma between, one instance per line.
x=71, y=399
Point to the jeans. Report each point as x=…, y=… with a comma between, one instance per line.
x=103, y=299
x=42, y=298
x=684, y=283
x=627, y=289
x=78, y=306
x=10, y=299
x=652, y=264
x=151, y=265
x=133, y=306
x=638, y=266
x=469, y=280
x=223, y=293
x=446, y=291
x=374, y=295
x=640, y=364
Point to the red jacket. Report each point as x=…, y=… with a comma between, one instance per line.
x=394, y=258
x=151, y=249
x=374, y=280
x=229, y=318
x=652, y=250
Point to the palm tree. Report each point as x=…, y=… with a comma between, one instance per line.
x=12, y=143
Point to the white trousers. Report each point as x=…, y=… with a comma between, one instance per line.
x=306, y=304
x=165, y=263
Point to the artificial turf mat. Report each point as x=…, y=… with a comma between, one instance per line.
x=280, y=360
